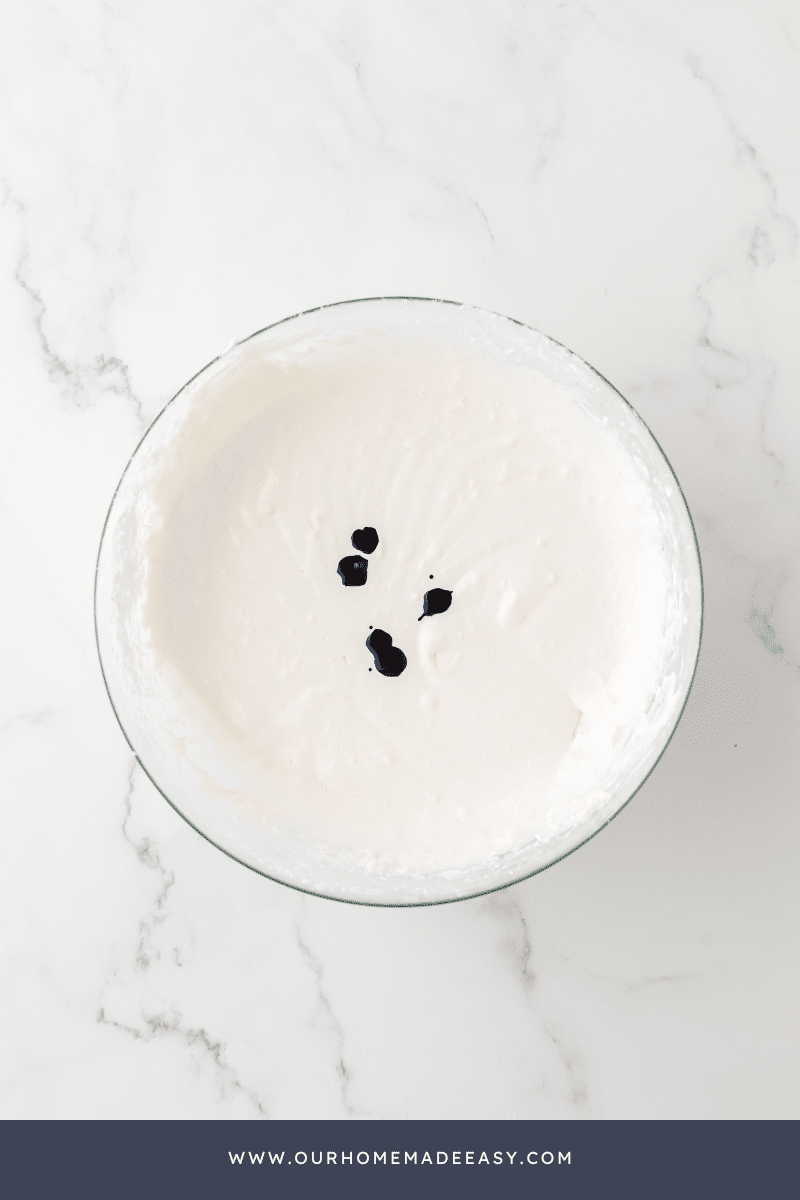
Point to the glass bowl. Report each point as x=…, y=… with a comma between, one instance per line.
x=121, y=578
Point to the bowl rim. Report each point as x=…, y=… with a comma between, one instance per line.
x=448, y=899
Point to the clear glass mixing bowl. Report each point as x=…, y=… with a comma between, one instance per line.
x=246, y=836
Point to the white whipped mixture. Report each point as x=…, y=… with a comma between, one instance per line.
x=473, y=470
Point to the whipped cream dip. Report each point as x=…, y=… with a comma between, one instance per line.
x=398, y=601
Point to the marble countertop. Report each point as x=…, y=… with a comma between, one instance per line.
x=623, y=176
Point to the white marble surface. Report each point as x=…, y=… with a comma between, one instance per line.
x=622, y=174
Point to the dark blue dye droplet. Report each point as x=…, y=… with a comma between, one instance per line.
x=353, y=570
x=437, y=600
x=389, y=659
x=365, y=539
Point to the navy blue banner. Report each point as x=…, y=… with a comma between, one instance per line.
x=149, y=1160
